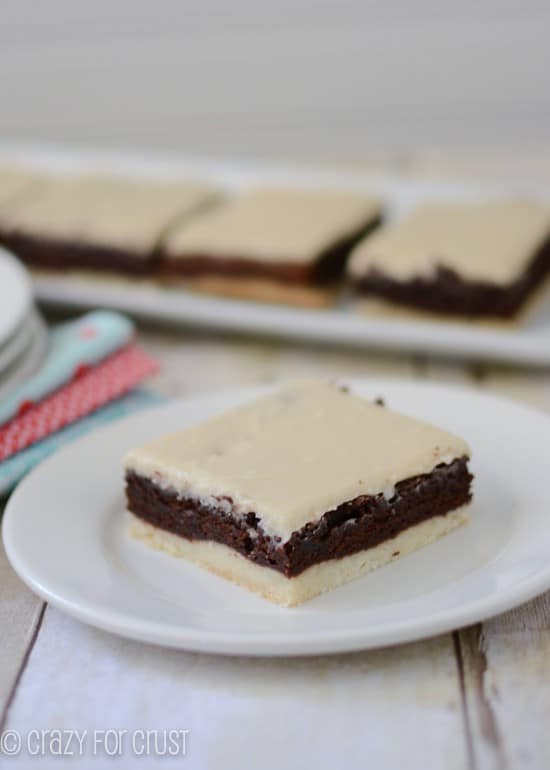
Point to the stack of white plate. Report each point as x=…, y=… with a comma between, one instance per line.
x=23, y=334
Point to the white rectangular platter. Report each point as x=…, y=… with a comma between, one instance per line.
x=526, y=343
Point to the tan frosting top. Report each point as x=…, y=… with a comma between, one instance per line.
x=296, y=454
x=126, y=213
x=275, y=225
x=492, y=241
x=14, y=184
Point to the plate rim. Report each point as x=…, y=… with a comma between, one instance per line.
x=17, y=345
x=301, y=644
x=20, y=274
x=29, y=359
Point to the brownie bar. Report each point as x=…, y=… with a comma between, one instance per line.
x=354, y=526
x=99, y=223
x=449, y=293
x=326, y=268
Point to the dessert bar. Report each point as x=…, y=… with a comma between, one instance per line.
x=105, y=223
x=467, y=259
x=300, y=491
x=288, y=236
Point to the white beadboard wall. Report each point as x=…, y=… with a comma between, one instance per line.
x=292, y=78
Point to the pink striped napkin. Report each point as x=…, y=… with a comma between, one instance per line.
x=94, y=388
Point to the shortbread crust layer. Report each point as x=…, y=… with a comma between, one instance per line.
x=318, y=579
x=357, y=525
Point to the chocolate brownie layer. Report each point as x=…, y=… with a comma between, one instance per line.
x=327, y=267
x=61, y=255
x=448, y=293
x=354, y=526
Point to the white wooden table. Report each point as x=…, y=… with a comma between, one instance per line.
x=476, y=698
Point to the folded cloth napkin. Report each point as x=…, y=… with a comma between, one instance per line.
x=13, y=469
x=92, y=389
x=74, y=347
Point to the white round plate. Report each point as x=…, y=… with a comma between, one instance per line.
x=15, y=347
x=15, y=295
x=65, y=534
x=30, y=360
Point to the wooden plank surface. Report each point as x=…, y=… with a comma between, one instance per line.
x=505, y=662
x=20, y=615
x=401, y=707
x=507, y=659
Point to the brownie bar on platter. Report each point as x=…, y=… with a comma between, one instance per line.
x=468, y=259
x=287, y=237
x=99, y=223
